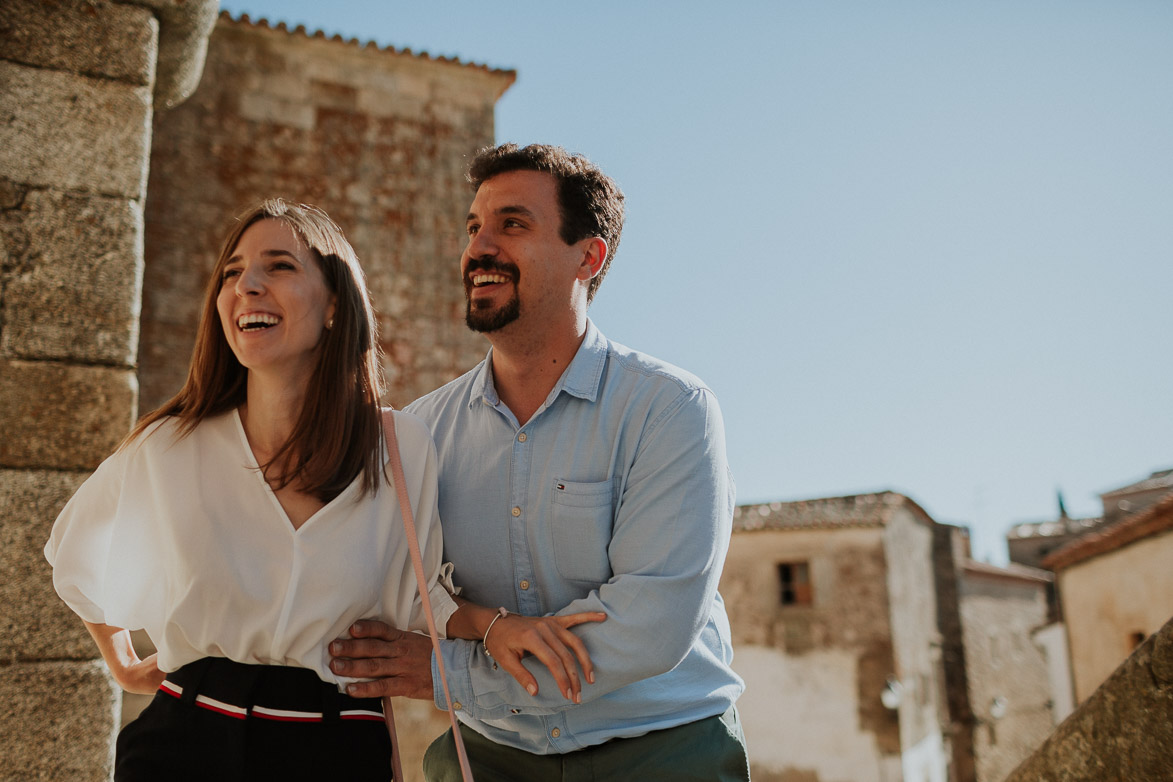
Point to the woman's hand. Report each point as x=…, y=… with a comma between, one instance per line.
x=130, y=673
x=549, y=639
x=142, y=677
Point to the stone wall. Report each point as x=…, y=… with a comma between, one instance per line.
x=1008, y=684
x=81, y=81
x=1124, y=731
x=378, y=138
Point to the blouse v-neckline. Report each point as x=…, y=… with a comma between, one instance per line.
x=259, y=475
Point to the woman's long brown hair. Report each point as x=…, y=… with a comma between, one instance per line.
x=338, y=432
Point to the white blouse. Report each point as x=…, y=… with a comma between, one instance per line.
x=183, y=538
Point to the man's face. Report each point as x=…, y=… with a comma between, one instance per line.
x=516, y=265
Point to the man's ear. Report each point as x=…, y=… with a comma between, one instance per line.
x=594, y=255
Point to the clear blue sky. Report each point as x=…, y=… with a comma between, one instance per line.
x=918, y=246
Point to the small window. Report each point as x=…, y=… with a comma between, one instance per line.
x=795, y=582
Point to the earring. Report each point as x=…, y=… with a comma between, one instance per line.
x=330, y=323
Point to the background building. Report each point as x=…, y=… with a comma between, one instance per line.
x=380, y=138
x=1116, y=587
x=874, y=648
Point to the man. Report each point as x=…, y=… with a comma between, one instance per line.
x=575, y=475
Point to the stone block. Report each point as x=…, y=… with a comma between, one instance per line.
x=57, y=721
x=99, y=39
x=74, y=292
x=36, y=624
x=184, y=27
x=70, y=132
x=64, y=417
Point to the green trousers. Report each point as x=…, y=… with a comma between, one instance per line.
x=708, y=750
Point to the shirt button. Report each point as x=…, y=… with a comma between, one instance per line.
x=516, y=512
x=555, y=733
x=524, y=584
x=456, y=705
x=521, y=438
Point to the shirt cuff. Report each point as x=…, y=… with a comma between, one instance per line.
x=443, y=607
x=457, y=657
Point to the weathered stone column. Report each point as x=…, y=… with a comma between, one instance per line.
x=79, y=82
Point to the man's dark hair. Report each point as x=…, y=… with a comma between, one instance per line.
x=590, y=202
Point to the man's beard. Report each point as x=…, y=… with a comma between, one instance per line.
x=492, y=318
x=488, y=318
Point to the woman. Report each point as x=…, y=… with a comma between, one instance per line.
x=249, y=521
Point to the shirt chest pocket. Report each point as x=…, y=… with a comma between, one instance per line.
x=582, y=514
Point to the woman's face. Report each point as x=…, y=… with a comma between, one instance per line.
x=274, y=304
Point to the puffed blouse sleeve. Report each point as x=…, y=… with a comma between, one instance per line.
x=100, y=547
x=421, y=471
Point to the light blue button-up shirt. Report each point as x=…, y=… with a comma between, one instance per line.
x=616, y=497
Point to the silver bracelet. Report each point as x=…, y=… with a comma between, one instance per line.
x=501, y=612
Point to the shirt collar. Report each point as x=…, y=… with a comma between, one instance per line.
x=582, y=378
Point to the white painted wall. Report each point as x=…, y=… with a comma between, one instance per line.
x=925, y=761
x=801, y=713
x=1053, y=641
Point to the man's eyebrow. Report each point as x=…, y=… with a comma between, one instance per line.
x=504, y=210
x=515, y=210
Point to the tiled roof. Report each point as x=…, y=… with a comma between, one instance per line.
x=1161, y=479
x=1049, y=529
x=857, y=510
x=264, y=23
x=1012, y=571
x=1154, y=520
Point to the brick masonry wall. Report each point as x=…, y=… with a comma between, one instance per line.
x=379, y=139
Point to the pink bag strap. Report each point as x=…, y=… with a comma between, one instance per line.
x=417, y=562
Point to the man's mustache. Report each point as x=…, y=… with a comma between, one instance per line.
x=487, y=264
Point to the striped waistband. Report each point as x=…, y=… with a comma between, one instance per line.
x=269, y=692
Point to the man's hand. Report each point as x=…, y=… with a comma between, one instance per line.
x=398, y=663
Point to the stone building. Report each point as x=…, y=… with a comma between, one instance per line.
x=94, y=253
x=380, y=138
x=1006, y=669
x=874, y=648
x=1117, y=589
x=1029, y=543
x=1135, y=497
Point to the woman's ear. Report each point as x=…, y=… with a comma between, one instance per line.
x=330, y=310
